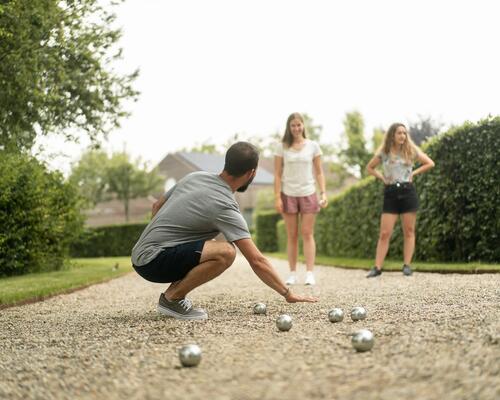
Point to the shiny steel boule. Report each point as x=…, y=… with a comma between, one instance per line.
x=190, y=355
x=259, y=308
x=363, y=340
x=336, y=315
x=284, y=322
x=358, y=313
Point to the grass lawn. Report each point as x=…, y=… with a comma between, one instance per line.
x=83, y=272
x=390, y=265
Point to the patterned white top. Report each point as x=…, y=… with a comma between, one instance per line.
x=395, y=167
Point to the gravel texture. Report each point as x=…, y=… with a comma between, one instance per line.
x=436, y=337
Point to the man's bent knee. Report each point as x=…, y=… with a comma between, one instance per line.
x=228, y=254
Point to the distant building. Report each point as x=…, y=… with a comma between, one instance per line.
x=177, y=165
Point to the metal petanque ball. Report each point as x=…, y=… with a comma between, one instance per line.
x=284, y=322
x=336, y=315
x=358, y=313
x=363, y=340
x=259, y=308
x=190, y=355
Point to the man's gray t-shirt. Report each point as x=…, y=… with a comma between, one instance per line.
x=198, y=207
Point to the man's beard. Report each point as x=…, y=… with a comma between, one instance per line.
x=243, y=188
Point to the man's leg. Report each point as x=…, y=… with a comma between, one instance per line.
x=215, y=258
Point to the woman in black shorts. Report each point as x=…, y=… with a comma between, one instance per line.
x=397, y=156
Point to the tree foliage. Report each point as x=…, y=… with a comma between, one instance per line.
x=423, y=129
x=129, y=180
x=89, y=176
x=356, y=154
x=99, y=177
x=55, y=71
x=39, y=216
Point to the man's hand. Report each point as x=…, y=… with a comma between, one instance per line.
x=296, y=298
x=157, y=205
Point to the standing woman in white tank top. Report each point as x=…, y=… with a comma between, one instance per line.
x=297, y=169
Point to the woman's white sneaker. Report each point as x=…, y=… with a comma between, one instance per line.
x=292, y=280
x=310, y=280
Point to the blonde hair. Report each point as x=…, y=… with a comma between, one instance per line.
x=408, y=150
x=287, y=137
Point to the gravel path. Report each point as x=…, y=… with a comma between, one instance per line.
x=437, y=337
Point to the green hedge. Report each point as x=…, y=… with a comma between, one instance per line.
x=39, y=216
x=459, y=204
x=108, y=241
x=265, y=230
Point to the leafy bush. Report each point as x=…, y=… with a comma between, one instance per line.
x=459, y=203
x=39, y=216
x=265, y=227
x=108, y=241
x=461, y=198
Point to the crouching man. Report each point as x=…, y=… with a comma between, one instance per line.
x=177, y=247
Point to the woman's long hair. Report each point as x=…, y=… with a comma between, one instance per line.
x=287, y=137
x=408, y=150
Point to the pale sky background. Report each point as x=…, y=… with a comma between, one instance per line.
x=210, y=69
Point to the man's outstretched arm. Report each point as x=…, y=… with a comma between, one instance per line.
x=266, y=272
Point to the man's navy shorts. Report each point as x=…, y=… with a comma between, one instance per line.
x=400, y=198
x=173, y=263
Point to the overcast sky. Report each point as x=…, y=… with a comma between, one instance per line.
x=209, y=69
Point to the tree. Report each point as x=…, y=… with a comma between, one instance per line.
x=55, y=71
x=355, y=155
x=89, y=176
x=377, y=138
x=423, y=129
x=129, y=180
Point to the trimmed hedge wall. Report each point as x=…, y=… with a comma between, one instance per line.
x=459, y=217
x=265, y=230
x=108, y=241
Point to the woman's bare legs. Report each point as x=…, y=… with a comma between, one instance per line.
x=408, y=220
x=307, y=231
x=292, y=234
x=387, y=222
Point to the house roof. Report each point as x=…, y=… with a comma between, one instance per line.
x=215, y=163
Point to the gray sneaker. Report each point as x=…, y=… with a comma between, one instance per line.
x=180, y=309
x=407, y=270
x=374, y=272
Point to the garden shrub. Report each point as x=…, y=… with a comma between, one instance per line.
x=39, y=216
x=108, y=241
x=265, y=230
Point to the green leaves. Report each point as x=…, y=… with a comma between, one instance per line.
x=99, y=178
x=55, y=71
x=39, y=216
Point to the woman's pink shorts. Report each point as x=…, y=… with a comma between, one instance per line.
x=303, y=204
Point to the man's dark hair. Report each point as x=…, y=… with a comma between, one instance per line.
x=241, y=157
